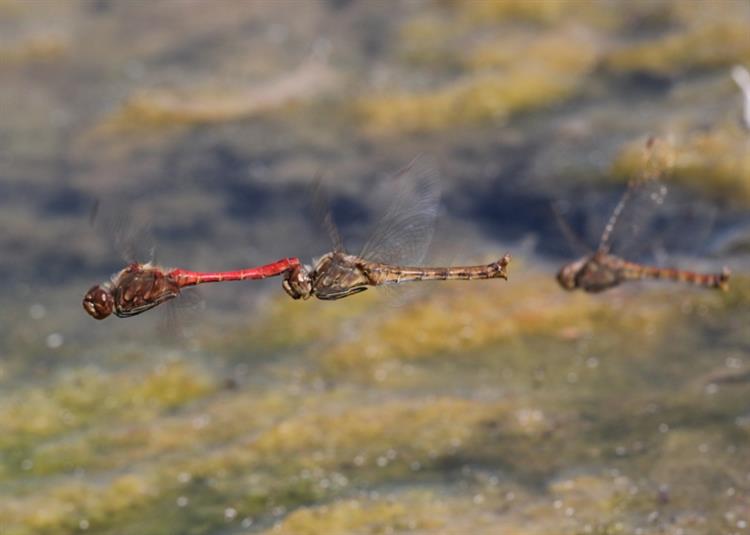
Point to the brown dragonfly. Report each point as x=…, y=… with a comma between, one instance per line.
x=403, y=235
x=600, y=270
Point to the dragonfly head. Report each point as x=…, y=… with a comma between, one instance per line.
x=338, y=275
x=567, y=277
x=297, y=282
x=98, y=302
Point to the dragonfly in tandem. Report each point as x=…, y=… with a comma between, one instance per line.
x=600, y=270
x=402, y=236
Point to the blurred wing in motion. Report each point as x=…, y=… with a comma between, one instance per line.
x=631, y=224
x=130, y=237
x=323, y=215
x=180, y=316
x=403, y=235
x=574, y=241
x=683, y=225
x=656, y=225
x=631, y=219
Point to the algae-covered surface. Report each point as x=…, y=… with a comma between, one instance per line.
x=497, y=407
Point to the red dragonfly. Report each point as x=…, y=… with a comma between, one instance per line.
x=143, y=285
x=600, y=270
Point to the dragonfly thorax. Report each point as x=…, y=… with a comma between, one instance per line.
x=141, y=287
x=594, y=273
x=338, y=275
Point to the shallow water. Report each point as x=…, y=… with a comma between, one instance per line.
x=482, y=407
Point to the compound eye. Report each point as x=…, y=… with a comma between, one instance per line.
x=98, y=302
x=566, y=278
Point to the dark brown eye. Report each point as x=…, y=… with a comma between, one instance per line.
x=566, y=278
x=98, y=302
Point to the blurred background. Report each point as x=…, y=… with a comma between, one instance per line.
x=481, y=407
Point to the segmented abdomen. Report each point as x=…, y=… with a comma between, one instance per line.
x=388, y=274
x=709, y=280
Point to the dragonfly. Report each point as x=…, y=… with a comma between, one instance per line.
x=403, y=234
x=599, y=271
x=141, y=286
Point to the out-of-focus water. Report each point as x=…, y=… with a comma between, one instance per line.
x=482, y=407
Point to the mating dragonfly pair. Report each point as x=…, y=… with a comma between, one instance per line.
x=403, y=234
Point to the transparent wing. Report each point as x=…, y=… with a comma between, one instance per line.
x=633, y=224
x=130, y=236
x=574, y=241
x=323, y=215
x=663, y=221
x=404, y=234
x=682, y=226
x=631, y=221
x=180, y=317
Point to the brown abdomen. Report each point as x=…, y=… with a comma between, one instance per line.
x=718, y=281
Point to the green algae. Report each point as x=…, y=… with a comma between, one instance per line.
x=201, y=105
x=721, y=44
x=545, y=11
x=39, y=423
x=489, y=61
x=41, y=48
x=491, y=97
x=414, y=511
x=286, y=325
x=494, y=85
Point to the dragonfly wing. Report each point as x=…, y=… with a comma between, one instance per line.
x=323, y=214
x=135, y=243
x=404, y=233
x=646, y=191
x=131, y=237
x=683, y=226
x=632, y=227
x=574, y=241
x=180, y=316
x=656, y=226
